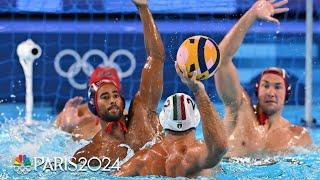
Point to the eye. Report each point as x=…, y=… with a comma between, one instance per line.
x=105, y=97
x=116, y=96
x=266, y=86
x=278, y=86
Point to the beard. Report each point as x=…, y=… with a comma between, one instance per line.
x=109, y=117
x=269, y=110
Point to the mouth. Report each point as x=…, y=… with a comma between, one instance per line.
x=270, y=101
x=113, y=109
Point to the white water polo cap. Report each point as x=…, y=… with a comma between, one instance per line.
x=179, y=113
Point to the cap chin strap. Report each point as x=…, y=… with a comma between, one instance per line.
x=121, y=124
x=262, y=118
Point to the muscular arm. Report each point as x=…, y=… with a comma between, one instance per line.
x=151, y=85
x=226, y=78
x=213, y=131
x=130, y=168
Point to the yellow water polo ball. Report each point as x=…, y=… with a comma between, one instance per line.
x=201, y=54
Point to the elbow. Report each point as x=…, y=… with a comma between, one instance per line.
x=157, y=52
x=159, y=55
x=216, y=155
x=219, y=150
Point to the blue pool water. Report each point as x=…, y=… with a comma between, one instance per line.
x=45, y=140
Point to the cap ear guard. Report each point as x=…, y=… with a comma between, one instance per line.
x=91, y=95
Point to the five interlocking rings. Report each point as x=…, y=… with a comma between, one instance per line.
x=87, y=68
x=22, y=170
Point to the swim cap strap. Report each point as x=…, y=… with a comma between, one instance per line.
x=262, y=118
x=122, y=125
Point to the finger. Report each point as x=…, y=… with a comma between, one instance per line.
x=274, y=20
x=178, y=70
x=280, y=3
x=75, y=101
x=85, y=117
x=184, y=71
x=280, y=10
x=194, y=76
x=72, y=101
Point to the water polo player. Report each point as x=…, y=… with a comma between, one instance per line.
x=261, y=129
x=179, y=153
x=142, y=124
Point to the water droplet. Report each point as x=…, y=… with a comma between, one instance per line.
x=278, y=31
x=12, y=96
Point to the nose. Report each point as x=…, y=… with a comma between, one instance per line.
x=112, y=102
x=271, y=91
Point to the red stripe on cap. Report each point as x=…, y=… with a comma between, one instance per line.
x=183, y=109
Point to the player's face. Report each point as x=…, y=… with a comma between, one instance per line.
x=271, y=93
x=109, y=102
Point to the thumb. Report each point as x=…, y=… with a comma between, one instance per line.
x=84, y=118
x=274, y=20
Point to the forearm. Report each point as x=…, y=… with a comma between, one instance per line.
x=152, y=74
x=152, y=38
x=212, y=127
x=231, y=42
x=226, y=78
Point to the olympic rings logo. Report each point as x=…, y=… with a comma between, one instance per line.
x=82, y=64
x=22, y=170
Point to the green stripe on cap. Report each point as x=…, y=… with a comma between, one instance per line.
x=175, y=111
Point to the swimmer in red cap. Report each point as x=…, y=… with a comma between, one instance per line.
x=142, y=124
x=180, y=153
x=260, y=129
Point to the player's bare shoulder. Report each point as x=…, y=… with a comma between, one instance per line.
x=300, y=135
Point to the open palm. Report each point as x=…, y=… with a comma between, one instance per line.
x=265, y=9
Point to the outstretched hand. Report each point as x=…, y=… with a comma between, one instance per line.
x=140, y=2
x=265, y=9
x=191, y=82
x=74, y=102
x=70, y=113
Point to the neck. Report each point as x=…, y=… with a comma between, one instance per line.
x=113, y=127
x=270, y=118
x=176, y=135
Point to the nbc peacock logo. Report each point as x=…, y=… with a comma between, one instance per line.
x=22, y=164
